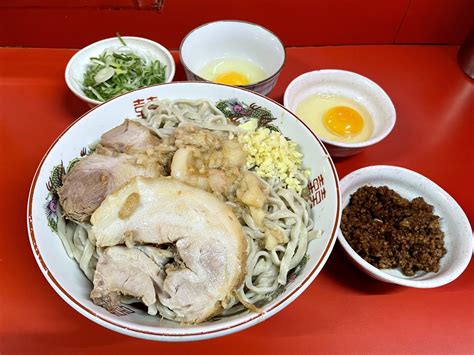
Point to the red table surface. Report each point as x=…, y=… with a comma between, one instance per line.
x=344, y=310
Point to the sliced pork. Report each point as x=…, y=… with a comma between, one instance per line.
x=129, y=137
x=136, y=272
x=124, y=152
x=93, y=178
x=211, y=248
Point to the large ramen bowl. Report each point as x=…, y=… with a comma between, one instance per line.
x=63, y=273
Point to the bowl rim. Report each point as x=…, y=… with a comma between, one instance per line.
x=258, y=83
x=380, y=274
x=390, y=106
x=82, y=96
x=252, y=319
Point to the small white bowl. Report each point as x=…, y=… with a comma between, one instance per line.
x=77, y=65
x=233, y=39
x=350, y=85
x=458, y=239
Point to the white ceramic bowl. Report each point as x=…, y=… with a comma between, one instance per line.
x=233, y=39
x=70, y=283
x=350, y=85
x=458, y=238
x=77, y=65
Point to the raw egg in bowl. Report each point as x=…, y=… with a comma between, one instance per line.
x=235, y=53
x=233, y=71
x=347, y=111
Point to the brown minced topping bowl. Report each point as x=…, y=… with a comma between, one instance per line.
x=389, y=231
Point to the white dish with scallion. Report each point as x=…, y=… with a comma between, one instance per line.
x=115, y=66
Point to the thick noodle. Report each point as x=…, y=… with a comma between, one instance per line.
x=267, y=271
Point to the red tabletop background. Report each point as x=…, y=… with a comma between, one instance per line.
x=343, y=310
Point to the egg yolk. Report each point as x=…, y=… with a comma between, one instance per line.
x=343, y=121
x=232, y=78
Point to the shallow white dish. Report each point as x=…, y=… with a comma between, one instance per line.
x=69, y=282
x=454, y=223
x=352, y=86
x=239, y=39
x=77, y=65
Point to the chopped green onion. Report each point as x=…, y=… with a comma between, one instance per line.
x=97, y=95
x=104, y=74
x=116, y=72
x=121, y=39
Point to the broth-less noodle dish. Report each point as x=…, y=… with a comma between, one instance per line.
x=189, y=213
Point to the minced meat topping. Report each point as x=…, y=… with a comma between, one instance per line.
x=389, y=231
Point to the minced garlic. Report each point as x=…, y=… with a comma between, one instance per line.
x=272, y=155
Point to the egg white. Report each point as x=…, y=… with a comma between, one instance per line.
x=312, y=109
x=248, y=68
